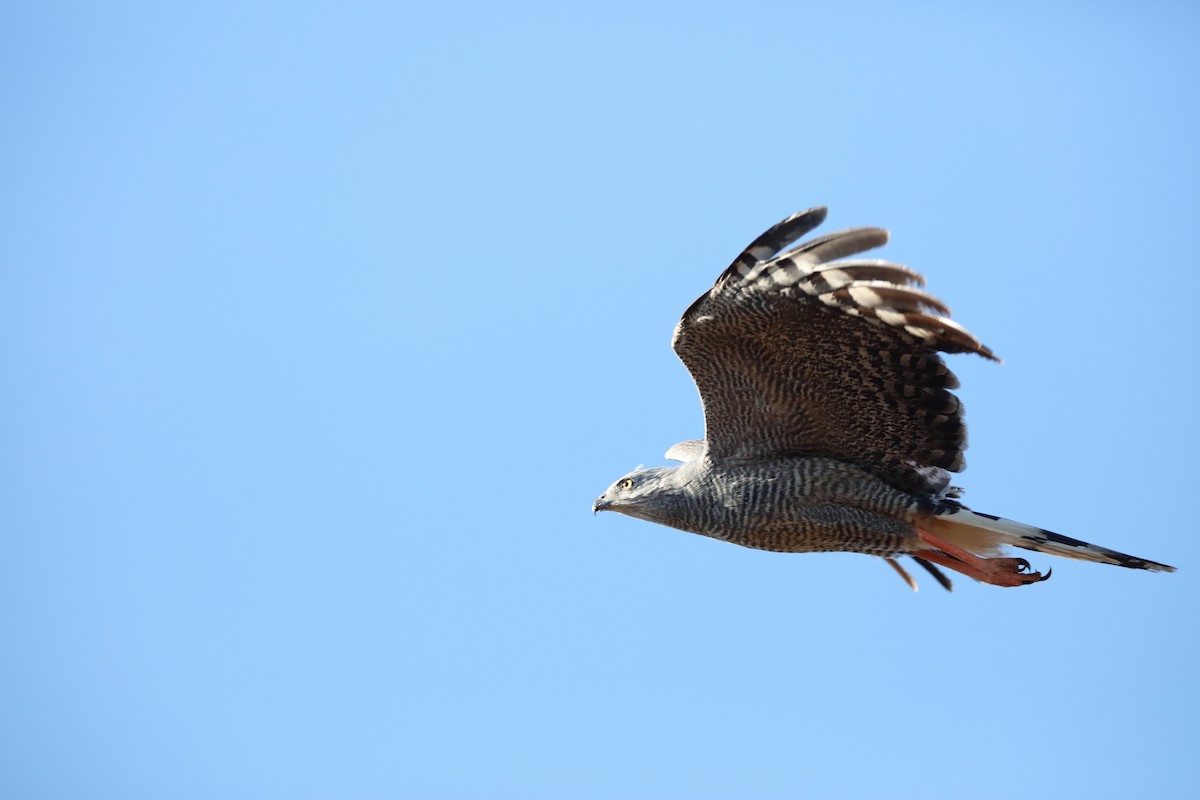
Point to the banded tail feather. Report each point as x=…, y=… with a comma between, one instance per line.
x=985, y=534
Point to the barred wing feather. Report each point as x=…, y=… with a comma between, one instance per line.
x=801, y=353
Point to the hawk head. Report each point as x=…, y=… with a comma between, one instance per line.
x=647, y=494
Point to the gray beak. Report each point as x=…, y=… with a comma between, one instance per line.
x=601, y=504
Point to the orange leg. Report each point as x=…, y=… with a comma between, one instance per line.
x=996, y=571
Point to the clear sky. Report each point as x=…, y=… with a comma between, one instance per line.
x=322, y=325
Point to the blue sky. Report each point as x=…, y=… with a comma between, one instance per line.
x=322, y=325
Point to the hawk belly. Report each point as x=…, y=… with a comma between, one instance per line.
x=798, y=505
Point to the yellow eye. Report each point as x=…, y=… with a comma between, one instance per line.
x=627, y=483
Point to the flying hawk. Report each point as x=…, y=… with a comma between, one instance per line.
x=829, y=420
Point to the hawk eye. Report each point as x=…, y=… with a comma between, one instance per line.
x=627, y=483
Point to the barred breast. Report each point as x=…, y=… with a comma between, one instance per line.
x=800, y=505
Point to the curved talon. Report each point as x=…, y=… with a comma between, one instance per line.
x=996, y=571
x=1046, y=577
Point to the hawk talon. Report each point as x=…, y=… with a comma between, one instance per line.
x=996, y=571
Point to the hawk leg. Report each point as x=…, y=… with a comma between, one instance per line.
x=996, y=571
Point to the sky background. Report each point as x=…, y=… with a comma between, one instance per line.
x=322, y=325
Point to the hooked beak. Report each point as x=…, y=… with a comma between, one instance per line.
x=601, y=504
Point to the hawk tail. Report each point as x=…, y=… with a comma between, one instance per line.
x=986, y=534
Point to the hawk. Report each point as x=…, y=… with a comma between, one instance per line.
x=829, y=420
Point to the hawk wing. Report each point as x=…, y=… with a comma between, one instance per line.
x=803, y=354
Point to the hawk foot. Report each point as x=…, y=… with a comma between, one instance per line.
x=996, y=571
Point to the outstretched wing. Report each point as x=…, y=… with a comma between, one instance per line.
x=800, y=353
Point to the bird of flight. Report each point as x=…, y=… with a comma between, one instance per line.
x=829, y=419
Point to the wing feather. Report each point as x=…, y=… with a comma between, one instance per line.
x=804, y=354
x=771, y=241
x=840, y=244
x=872, y=269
